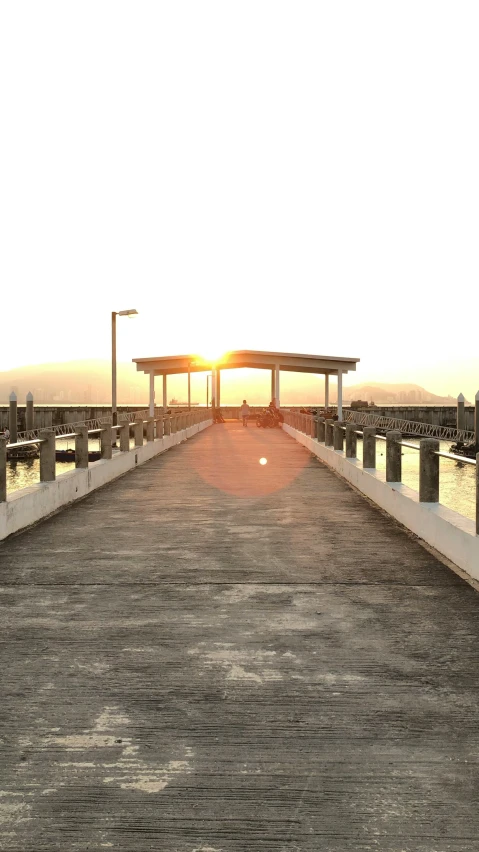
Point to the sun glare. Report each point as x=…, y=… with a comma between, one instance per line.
x=212, y=356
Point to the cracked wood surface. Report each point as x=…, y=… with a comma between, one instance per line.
x=213, y=655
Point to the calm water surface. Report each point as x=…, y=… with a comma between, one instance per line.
x=457, y=481
x=21, y=474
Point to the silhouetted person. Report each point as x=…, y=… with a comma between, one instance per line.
x=244, y=412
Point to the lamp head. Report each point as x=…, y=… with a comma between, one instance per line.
x=130, y=313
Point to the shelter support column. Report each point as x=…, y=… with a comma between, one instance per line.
x=218, y=388
x=326, y=390
x=276, y=383
x=165, y=395
x=213, y=388
x=152, y=394
x=273, y=389
x=340, y=395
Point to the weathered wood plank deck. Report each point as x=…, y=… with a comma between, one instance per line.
x=210, y=654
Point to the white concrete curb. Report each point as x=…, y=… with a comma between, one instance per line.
x=29, y=505
x=447, y=531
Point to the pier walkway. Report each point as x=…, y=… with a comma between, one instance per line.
x=216, y=655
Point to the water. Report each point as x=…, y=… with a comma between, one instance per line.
x=21, y=474
x=457, y=481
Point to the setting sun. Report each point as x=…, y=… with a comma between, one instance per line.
x=212, y=356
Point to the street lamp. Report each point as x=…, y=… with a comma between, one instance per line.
x=114, y=314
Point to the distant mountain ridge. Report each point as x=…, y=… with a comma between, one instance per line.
x=399, y=394
x=89, y=382
x=86, y=382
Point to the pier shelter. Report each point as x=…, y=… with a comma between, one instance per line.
x=167, y=365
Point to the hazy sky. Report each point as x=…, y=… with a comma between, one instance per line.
x=280, y=175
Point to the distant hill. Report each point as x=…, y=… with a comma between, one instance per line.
x=74, y=381
x=89, y=382
x=382, y=393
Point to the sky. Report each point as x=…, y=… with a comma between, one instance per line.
x=296, y=176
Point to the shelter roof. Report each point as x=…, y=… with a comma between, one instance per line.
x=255, y=358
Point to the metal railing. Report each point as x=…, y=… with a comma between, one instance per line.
x=411, y=427
x=153, y=428
x=63, y=429
x=332, y=434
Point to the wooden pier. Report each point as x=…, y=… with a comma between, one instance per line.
x=216, y=655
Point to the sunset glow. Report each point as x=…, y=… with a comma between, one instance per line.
x=212, y=356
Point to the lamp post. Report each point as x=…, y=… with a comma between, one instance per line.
x=114, y=314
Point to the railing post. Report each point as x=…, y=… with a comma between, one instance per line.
x=159, y=427
x=105, y=442
x=320, y=429
x=81, y=447
x=393, y=456
x=328, y=433
x=167, y=425
x=351, y=441
x=477, y=493
x=29, y=412
x=461, y=414
x=3, y=469
x=47, y=456
x=125, y=437
x=12, y=418
x=369, y=447
x=138, y=433
x=338, y=435
x=150, y=429
x=428, y=470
